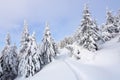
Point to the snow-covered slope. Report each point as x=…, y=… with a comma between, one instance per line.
x=103, y=65
x=109, y=54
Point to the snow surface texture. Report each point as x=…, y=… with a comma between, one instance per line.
x=103, y=65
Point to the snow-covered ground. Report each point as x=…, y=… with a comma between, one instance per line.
x=101, y=65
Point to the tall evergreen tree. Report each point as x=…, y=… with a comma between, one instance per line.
x=66, y=41
x=110, y=28
x=88, y=33
x=9, y=61
x=23, y=51
x=117, y=20
x=48, y=47
x=34, y=59
x=30, y=61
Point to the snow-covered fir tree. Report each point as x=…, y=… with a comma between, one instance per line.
x=110, y=28
x=117, y=22
x=48, y=47
x=9, y=61
x=24, y=44
x=29, y=59
x=66, y=41
x=87, y=34
x=34, y=59
x=1, y=72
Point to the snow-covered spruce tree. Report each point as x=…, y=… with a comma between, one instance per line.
x=24, y=44
x=110, y=28
x=0, y=68
x=9, y=61
x=66, y=41
x=29, y=60
x=48, y=47
x=33, y=64
x=117, y=22
x=63, y=43
x=34, y=57
x=87, y=34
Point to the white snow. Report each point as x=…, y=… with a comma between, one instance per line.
x=101, y=65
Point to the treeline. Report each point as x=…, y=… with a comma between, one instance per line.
x=30, y=58
x=89, y=35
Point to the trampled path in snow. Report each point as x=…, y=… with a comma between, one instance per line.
x=73, y=70
x=90, y=72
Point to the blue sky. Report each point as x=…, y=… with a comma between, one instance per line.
x=64, y=16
